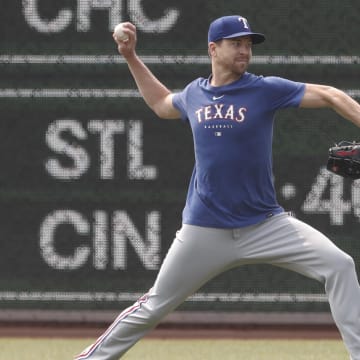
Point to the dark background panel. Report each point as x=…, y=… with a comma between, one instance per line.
x=304, y=26
x=29, y=194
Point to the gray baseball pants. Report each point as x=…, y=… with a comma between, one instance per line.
x=198, y=254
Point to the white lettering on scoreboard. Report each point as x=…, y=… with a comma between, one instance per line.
x=66, y=138
x=106, y=130
x=83, y=12
x=107, y=247
x=327, y=196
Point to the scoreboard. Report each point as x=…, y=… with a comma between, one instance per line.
x=92, y=183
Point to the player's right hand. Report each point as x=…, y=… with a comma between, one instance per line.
x=127, y=47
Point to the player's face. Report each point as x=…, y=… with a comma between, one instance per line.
x=234, y=54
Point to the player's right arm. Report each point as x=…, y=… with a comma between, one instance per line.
x=156, y=95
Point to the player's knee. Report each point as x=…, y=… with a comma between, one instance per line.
x=343, y=264
x=154, y=311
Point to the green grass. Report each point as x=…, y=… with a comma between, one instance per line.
x=148, y=349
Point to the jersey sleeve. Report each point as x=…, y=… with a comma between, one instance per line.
x=283, y=93
x=179, y=103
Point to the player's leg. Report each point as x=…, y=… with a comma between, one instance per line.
x=196, y=255
x=336, y=270
x=292, y=244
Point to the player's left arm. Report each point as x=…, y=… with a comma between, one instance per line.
x=320, y=96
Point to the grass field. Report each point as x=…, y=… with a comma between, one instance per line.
x=149, y=349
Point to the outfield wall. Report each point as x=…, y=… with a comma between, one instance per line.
x=93, y=184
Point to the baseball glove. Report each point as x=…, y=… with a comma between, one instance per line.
x=344, y=159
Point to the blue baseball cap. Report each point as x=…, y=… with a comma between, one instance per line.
x=228, y=27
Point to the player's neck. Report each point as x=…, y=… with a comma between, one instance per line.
x=221, y=78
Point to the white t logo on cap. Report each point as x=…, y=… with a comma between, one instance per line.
x=244, y=21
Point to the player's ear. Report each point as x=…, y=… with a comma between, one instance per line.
x=211, y=49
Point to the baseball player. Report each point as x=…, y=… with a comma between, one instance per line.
x=231, y=216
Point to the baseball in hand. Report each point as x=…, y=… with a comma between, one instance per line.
x=119, y=32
